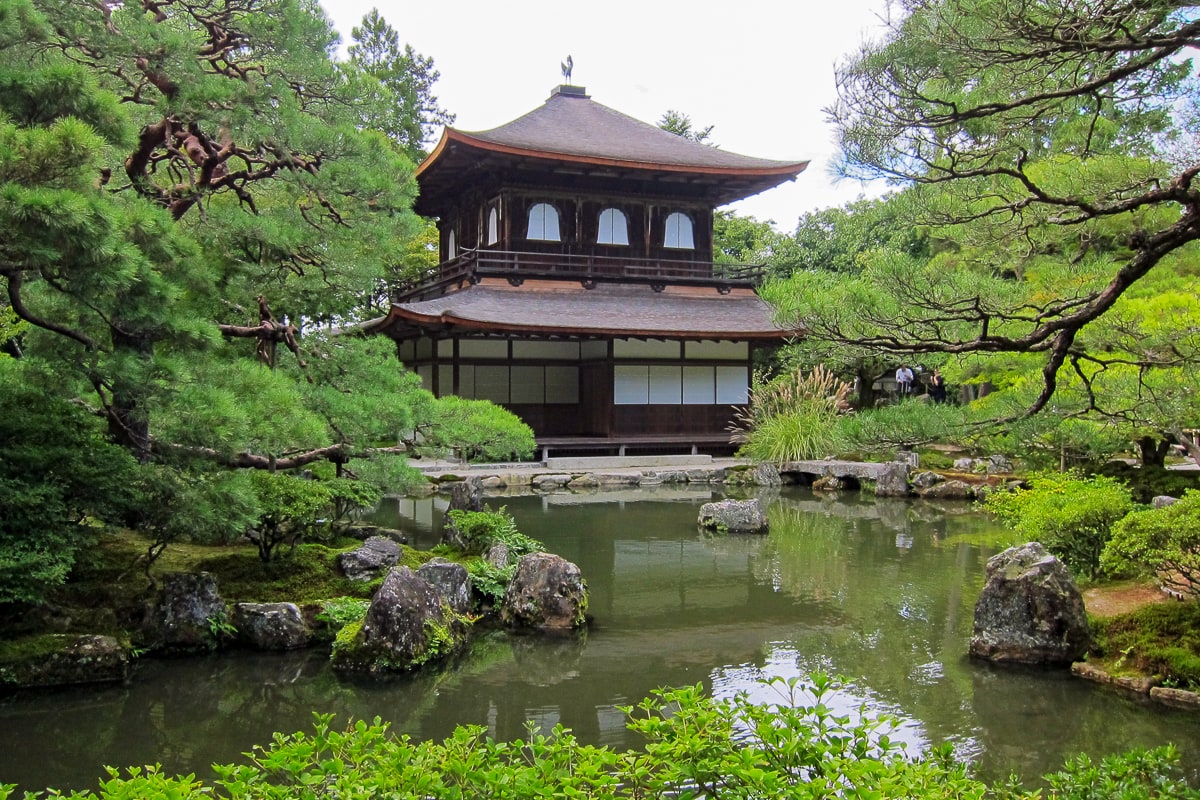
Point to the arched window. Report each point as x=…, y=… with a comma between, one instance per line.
x=451, y=246
x=679, y=232
x=493, y=226
x=543, y=223
x=614, y=229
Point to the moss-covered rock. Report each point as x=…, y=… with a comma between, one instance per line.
x=547, y=592
x=407, y=625
x=62, y=660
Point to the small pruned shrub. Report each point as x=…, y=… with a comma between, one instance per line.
x=1071, y=515
x=476, y=430
x=1161, y=542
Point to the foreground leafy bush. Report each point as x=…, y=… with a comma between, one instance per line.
x=1163, y=542
x=1071, y=515
x=696, y=746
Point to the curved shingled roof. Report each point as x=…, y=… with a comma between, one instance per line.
x=572, y=124
x=565, y=309
x=571, y=127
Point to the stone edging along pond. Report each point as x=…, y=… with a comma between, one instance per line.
x=1138, y=684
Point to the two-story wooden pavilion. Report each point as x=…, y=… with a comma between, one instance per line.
x=577, y=285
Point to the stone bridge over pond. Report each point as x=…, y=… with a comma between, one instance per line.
x=890, y=478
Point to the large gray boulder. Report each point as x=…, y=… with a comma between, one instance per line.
x=451, y=580
x=923, y=480
x=377, y=555
x=270, y=626
x=546, y=592
x=733, y=516
x=186, y=615
x=999, y=465
x=1030, y=611
x=407, y=625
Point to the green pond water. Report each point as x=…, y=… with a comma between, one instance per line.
x=880, y=592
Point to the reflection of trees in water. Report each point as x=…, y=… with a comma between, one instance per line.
x=908, y=608
x=803, y=554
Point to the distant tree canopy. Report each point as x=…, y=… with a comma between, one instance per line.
x=406, y=110
x=1048, y=150
x=680, y=124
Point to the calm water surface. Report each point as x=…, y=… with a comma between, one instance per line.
x=880, y=592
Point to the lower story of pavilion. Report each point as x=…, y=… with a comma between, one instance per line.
x=609, y=368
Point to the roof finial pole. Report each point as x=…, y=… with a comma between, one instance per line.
x=567, y=66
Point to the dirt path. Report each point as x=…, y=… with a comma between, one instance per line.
x=1108, y=601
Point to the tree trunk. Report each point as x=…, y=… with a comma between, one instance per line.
x=1153, y=451
x=866, y=394
x=128, y=419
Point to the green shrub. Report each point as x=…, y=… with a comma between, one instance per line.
x=907, y=424
x=481, y=529
x=488, y=580
x=696, y=746
x=338, y=612
x=476, y=430
x=1071, y=515
x=1162, y=542
x=1136, y=775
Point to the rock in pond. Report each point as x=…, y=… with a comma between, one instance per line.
x=1030, y=611
x=949, y=490
x=407, y=625
x=547, y=592
x=893, y=480
x=69, y=659
x=733, y=516
x=270, y=626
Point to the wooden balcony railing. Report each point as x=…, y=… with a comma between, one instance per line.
x=587, y=268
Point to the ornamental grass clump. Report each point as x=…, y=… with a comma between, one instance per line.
x=793, y=417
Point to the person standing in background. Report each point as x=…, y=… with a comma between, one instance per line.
x=937, y=387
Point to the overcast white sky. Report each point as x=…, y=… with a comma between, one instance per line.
x=759, y=71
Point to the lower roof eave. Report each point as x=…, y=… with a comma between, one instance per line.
x=406, y=325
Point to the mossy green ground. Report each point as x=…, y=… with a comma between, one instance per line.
x=106, y=592
x=1161, y=639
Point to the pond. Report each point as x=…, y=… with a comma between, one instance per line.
x=880, y=592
